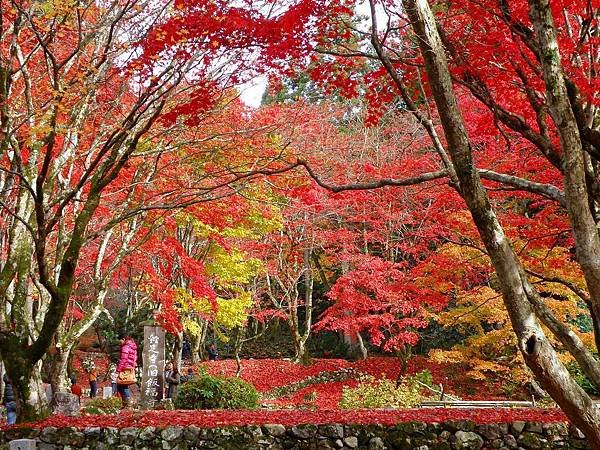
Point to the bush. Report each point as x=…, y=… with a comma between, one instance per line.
x=110, y=405
x=383, y=394
x=216, y=392
x=424, y=376
x=581, y=378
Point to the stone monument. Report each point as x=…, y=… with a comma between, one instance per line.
x=153, y=357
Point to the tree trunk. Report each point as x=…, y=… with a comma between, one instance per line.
x=177, y=347
x=584, y=357
x=59, y=370
x=308, y=300
x=351, y=340
x=20, y=371
x=239, y=340
x=361, y=347
x=300, y=349
x=195, y=348
x=37, y=392
x=533, y=344
x=294, y=324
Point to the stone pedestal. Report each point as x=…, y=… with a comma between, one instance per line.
x=65, y=404
x=22, y=444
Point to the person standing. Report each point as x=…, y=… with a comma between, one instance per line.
x=172, y=378
x=166, y=375
x=76, y=389
x=213, y=355
x=126, y=369
x=93, y=379
x=9, y=401
x=113, y=379
x=186, y=349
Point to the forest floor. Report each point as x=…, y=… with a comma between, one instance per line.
x=286, y=385
x=316, y=403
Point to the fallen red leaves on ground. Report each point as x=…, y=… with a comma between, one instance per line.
x=219, y=418
x=266, y=374
x=328, y=396
x=314, y=404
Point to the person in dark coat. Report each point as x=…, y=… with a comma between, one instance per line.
x=186, y=349
x=213, y=355
x=172, y=378
x=189, y=376
x=9, y=401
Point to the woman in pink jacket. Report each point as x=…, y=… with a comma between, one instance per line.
x=128, y=360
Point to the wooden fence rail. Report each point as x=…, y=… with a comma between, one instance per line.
x=476, y=404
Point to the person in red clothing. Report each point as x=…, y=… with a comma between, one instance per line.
x=76, y=389
x=128, y=360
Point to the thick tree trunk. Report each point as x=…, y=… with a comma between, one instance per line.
x=59, y=373
x=37, y=391
x=535, y=347
x=20, y=372
x=353, y=341
x=300, y=349
x=294, y=324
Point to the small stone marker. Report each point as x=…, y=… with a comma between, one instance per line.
x=66, y=404
x=107, y=392
x=22, y=444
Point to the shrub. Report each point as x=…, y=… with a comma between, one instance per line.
x=383, y=394
x=582, y=380
x=110, y=405
x=216, y=392
x=424, y=376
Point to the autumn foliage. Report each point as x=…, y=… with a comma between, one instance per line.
x=133, y=179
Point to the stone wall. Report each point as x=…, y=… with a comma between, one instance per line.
x=411, y=435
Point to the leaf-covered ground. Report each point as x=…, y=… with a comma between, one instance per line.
x=267, y=374
x=287, y=417
x=318, y=403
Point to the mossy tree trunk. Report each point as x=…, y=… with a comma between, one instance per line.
x=59, y=369
x=19, y=371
